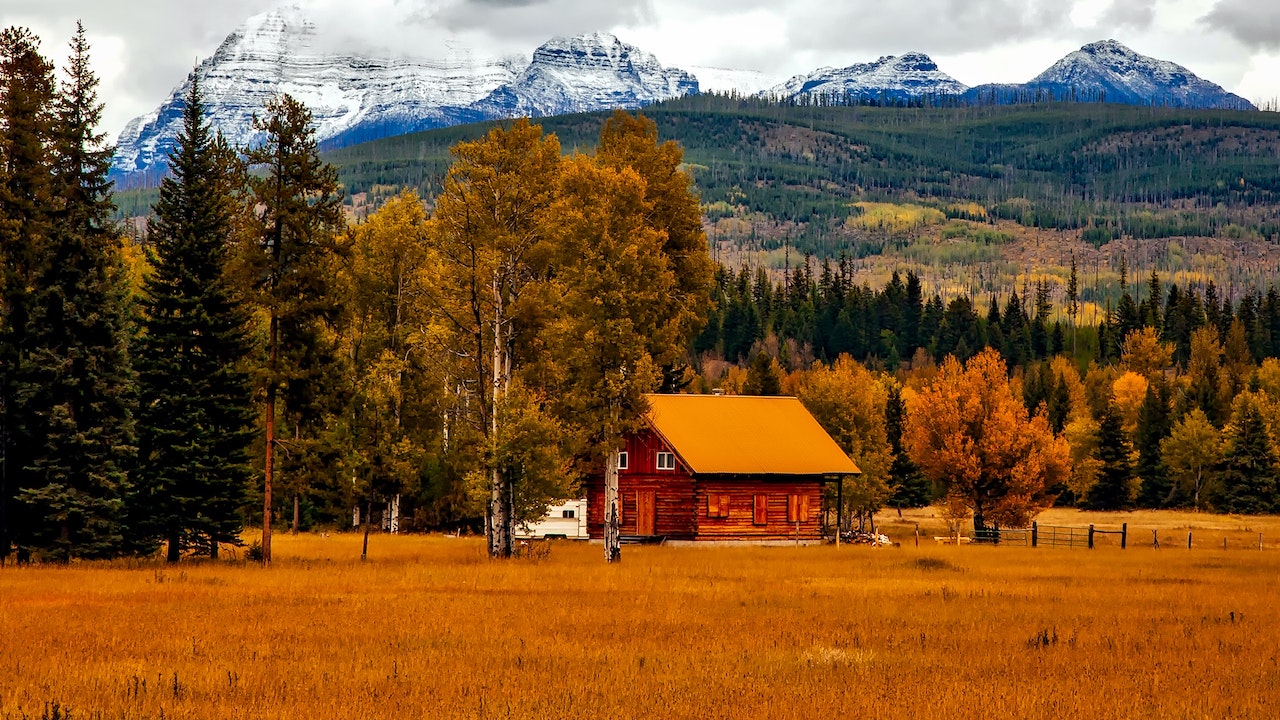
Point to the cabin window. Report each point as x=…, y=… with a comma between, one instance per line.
x=622, y=460
x=761, y=515
x=717, y=505
x=568, y=514
x=666, y=461
x=797, y=508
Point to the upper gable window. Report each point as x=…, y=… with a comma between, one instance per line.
x=666, y=461
x=622, y=460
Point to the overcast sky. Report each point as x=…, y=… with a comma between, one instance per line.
x=142, y=49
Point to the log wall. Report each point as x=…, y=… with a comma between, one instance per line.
x=753, y=508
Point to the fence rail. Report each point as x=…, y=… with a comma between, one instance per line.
x=1049, y=536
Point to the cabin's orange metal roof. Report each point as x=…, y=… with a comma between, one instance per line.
x=745, y=435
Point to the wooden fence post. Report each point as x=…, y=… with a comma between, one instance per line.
x=1035, y=534
x=1188, y=540
x=1224, y=543
x=1259, y=541
x=917, y=534
x=1155, y=539
x=1090, y=536
x=1124, y=535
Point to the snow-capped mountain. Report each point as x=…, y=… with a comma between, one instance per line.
x=1109, y=70
x=589, y=72
x=891, y=77
x=357, y=97
x=278, y=52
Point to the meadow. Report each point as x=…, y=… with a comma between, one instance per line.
x=428, y=627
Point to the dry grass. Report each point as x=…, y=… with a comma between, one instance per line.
x=429, y=628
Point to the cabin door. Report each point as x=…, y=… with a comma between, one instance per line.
x=646, y=512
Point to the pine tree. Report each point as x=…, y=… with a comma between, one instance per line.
x=77, y=376
x=27, y=93
x=763, y=376
x=195, y=416
x=909, y=487
x=299, y=209
x=1111, y=490
x=1248, y=474
x=1154, y=425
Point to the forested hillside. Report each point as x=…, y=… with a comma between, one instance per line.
x=970, y=197
x=1108, y=170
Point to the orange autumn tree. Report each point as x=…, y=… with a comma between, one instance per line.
x=968, y=432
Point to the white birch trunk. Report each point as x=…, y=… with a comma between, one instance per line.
x=612, y=542
x=499, y=504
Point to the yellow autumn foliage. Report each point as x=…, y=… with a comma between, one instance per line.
x=893, y=219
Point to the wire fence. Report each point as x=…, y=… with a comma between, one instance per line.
x=1093, y=536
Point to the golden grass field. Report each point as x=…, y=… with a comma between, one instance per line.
x=429, y=628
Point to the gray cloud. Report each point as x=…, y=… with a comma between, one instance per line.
x=141, y=54
x=1256, y=24
x=1128, y=15
x=533, y=22
x=932, y=26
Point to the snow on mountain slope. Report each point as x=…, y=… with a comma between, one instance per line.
x=896, y=77
x=1109, y=70
x=276, y=52
x=1127, y=76
x=596, y=71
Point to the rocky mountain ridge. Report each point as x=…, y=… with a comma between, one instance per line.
x=356, y=97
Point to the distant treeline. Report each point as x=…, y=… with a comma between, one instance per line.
x=821, y=310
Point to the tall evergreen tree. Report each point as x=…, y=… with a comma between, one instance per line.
x=1154, y=425
x=77, y=377
x=299, y=210
x=909, y=487
x=1248, y=474
x=1111, y=490
x=27, y=92
x=195, y=414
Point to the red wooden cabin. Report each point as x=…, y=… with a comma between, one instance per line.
x=723, y=467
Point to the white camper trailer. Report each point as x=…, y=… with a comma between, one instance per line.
x=567, y=519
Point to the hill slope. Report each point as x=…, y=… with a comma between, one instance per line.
x=794, y=172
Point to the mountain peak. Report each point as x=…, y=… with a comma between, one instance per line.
x=897, y=77
x=1114, y=47
x=582, y=73
x=1122, y=75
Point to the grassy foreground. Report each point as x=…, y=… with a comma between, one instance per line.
x=430, y=628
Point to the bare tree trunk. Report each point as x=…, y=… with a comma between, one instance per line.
x=271, y=442
x=368, y=520
x=612, y=538
x=175, y=548
x=296, y=514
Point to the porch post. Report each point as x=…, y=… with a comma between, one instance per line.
x=839, y=508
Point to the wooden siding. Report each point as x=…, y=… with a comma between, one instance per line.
x=756, y=499
x=642, y=455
